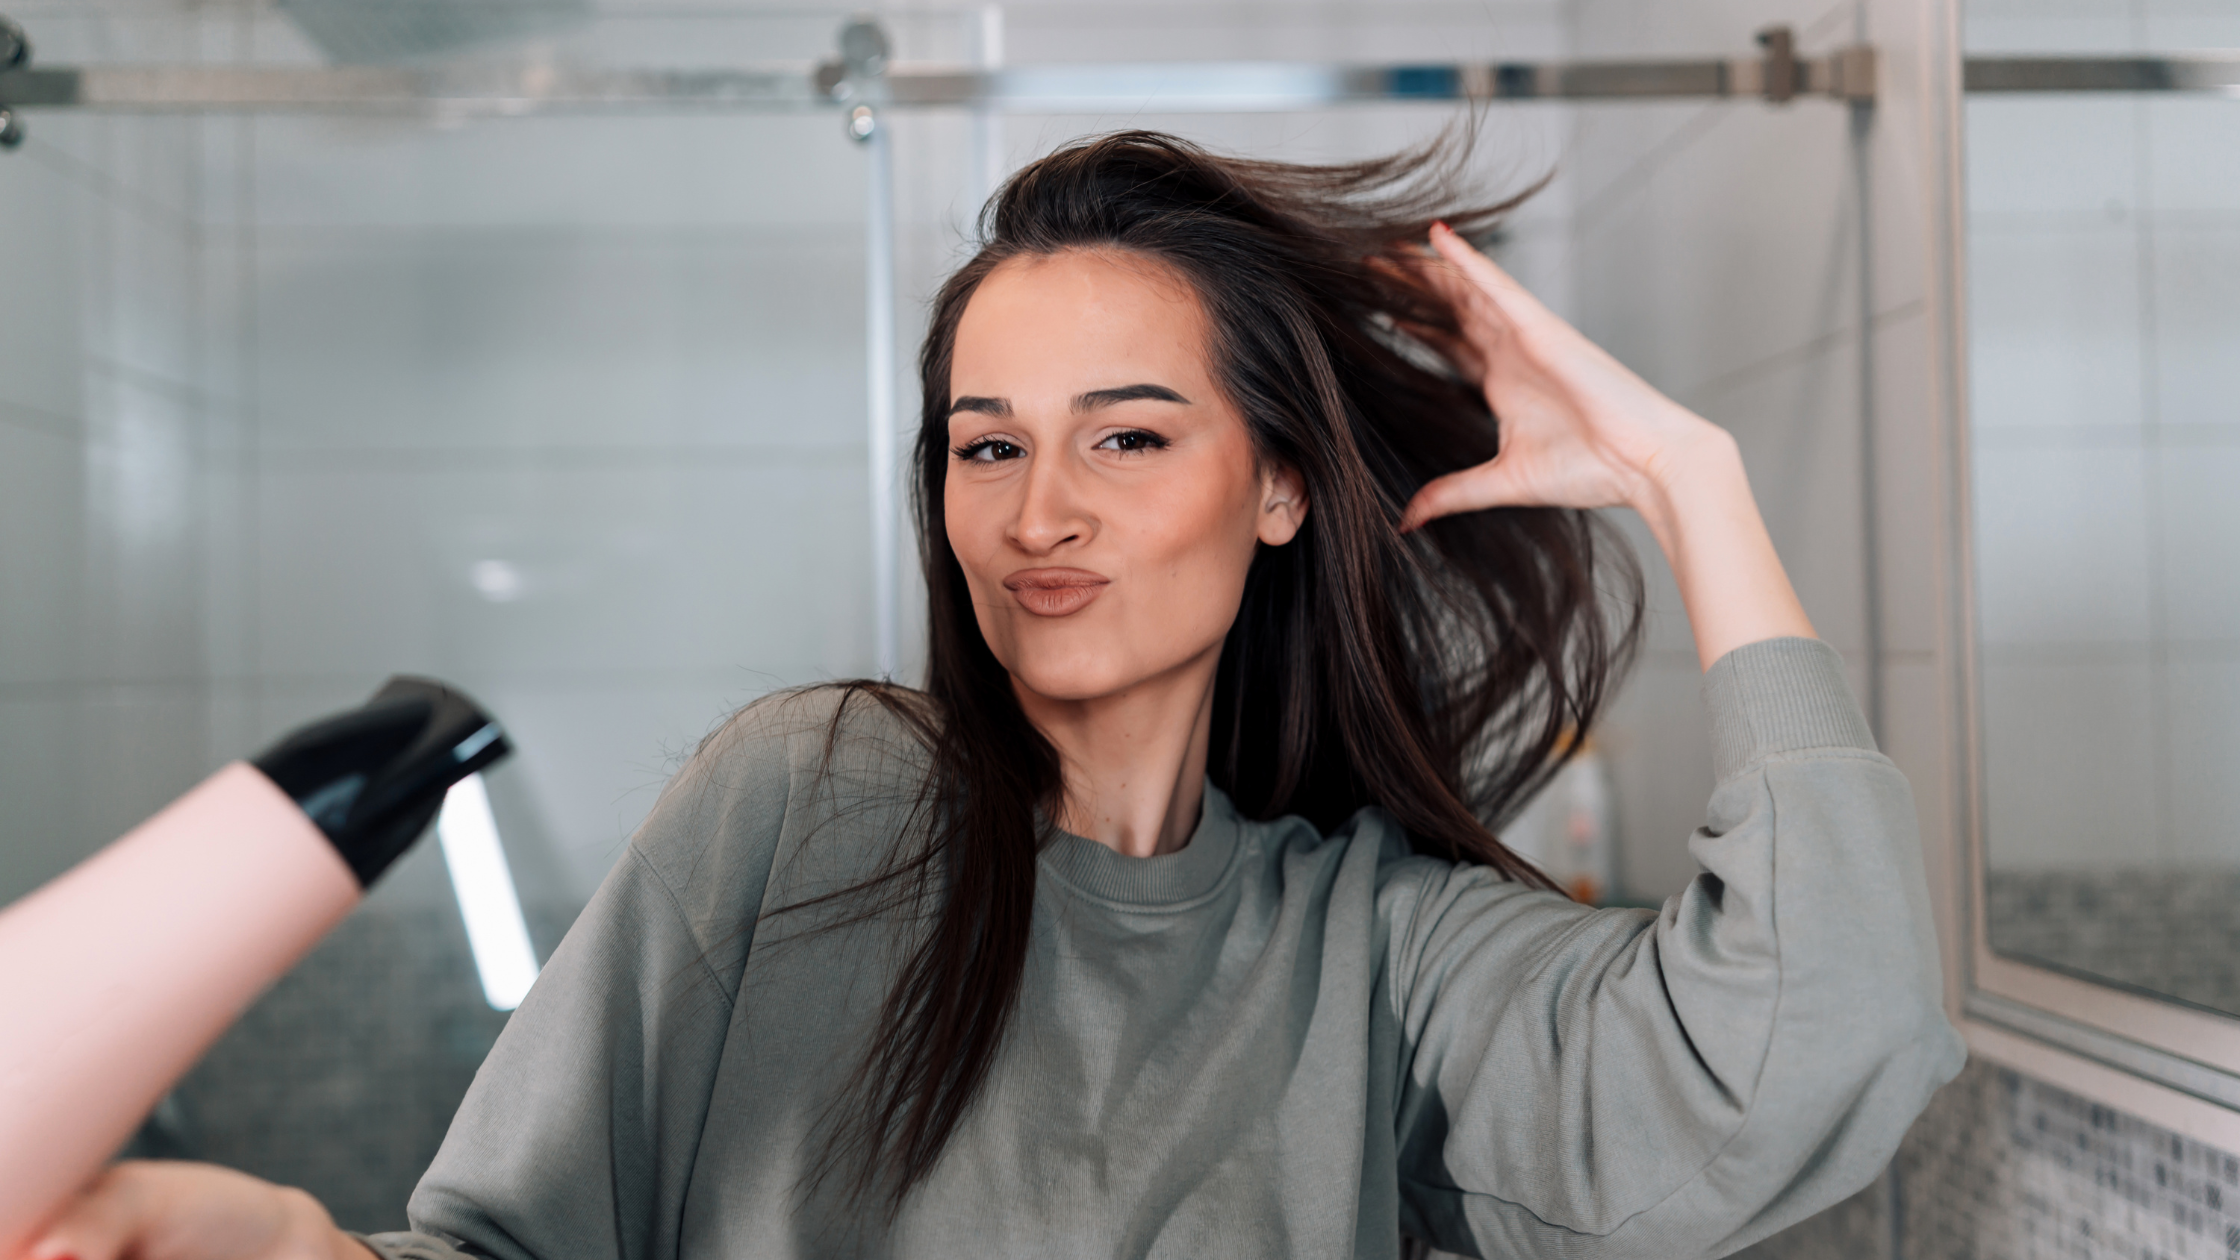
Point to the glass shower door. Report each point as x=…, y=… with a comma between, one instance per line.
x=565, y=410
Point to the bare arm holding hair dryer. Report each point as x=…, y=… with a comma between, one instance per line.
x=117, y=976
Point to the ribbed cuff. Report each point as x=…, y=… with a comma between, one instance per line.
x=404, y=1245
x=1777, y=696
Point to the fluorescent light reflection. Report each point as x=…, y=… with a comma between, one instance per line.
x=483, y=884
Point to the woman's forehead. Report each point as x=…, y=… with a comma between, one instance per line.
x=1047, y=317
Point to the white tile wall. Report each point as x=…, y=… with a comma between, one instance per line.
x=43, y=782
x=140, y=745
x=2041, y=156
x=2195, y=276
x=2184, y=137
x=2104, y=243
x=40, y=328
x=1716, y=250
x=142, y=570
x=2204, y=751
x=660, y=170
x=520, y=340
x=42, y=530
x=2069, y=764
x=2199, y=512
x=2189, y=24
x=102, y=708
x=2054, y=315
x=2048, y=26
x=2062, y=544
x=656, y=565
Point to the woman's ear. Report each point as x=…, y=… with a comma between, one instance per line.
x=1283, y=504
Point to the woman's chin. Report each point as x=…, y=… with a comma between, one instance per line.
x=1072, y=685
x=1076, y=676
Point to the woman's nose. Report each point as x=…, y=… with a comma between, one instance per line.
x=1051, y=513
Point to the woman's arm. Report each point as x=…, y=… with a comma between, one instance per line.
x=578, y=1138
x=1579, y=430
x=1612, y=1085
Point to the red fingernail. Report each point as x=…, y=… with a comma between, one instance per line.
x=1438, y=224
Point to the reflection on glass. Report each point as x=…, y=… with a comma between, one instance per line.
x=496, y=932
x=2104, y=297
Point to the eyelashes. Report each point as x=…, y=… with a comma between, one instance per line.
x=1131, y=441
x=987, y=450
x=990, y=450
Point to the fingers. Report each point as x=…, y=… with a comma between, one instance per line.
x=1470, y=490
x=165, y=1210
x=1443, y=278
x=100, y=1225
x=1477, y=267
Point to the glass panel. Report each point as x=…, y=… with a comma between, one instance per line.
x=568, y=411
x=2104, y=296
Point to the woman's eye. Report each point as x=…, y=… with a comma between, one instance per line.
x=1133, y=440
x=988, y=450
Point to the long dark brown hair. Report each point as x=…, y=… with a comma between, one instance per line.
x=1442, y=675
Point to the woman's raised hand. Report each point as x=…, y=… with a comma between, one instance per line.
x=159, y=1210
x=1579, y=430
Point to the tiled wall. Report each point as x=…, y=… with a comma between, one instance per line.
x=2007, y=1168
x=105, y=430
x=2171, y=930
x=2104, y=281
x=564, y=410
x=1715, y=249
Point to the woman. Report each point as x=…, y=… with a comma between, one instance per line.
x=1162, y=922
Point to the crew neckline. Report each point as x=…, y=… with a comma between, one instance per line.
x=1165, y=880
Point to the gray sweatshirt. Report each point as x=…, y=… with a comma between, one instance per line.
x=1272, y=1043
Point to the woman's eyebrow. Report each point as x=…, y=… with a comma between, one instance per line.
x=984, y=406
x=1096, y=398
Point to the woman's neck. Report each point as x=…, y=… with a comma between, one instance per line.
x=1135, y=761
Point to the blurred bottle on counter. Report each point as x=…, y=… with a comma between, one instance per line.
x=1569, y=829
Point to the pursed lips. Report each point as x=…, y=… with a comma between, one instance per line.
x=1055, y=592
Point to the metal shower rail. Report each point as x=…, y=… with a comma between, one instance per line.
x=862, y=75
x=2216, y=72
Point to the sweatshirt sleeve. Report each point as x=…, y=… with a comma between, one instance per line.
x=578, y=1137
x=1584, y=1083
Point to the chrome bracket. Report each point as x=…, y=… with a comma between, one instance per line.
x=857, y=78
x=15, y=53
x=1778, y=78
x=1781, y=76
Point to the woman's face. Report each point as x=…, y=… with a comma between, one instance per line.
x=1102, y=494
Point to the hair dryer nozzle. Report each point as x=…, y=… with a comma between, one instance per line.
x=373, y=778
